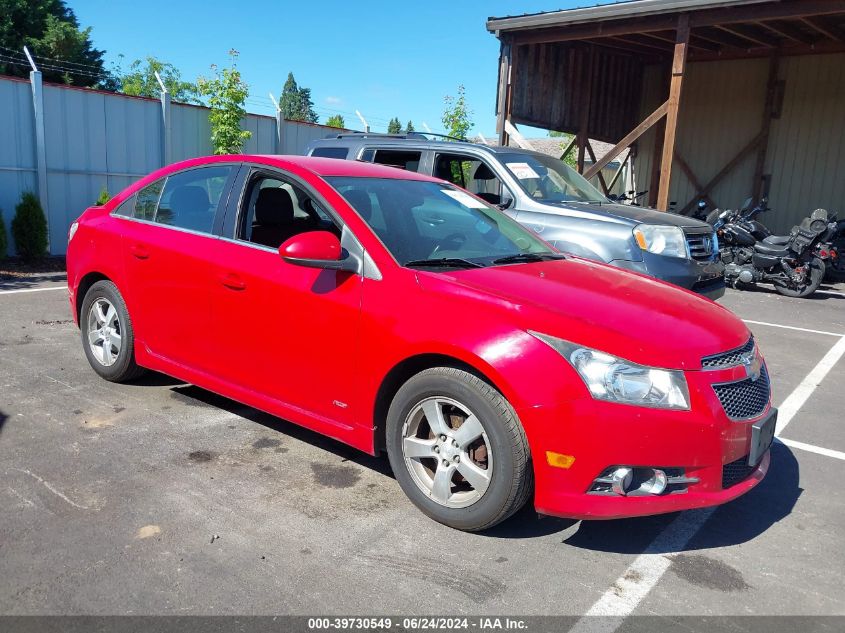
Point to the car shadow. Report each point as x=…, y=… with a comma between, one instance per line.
x=344, y=451
x=736, y=522
x=3, y=418
x=827, y=291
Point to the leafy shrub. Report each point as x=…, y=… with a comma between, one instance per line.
x=4, y=240
x=29, y=228
x=104, y=197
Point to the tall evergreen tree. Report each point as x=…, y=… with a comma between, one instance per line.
x=409, y=127
x=296, y=103
x=394, y=126
x=50, y=29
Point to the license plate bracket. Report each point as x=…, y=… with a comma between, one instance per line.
x=762, y=436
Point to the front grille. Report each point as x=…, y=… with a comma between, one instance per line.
x=745, y=399
x=727, y=359
x=701, y=246
x=736, y=471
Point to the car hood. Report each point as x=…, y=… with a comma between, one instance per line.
x=639, y=215
x=632, y=316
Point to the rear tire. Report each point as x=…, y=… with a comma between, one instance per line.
x=836, y=269
x=475, y=477
x=812, y=283
x=107, y=335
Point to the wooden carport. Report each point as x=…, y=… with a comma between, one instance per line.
x=581, y=71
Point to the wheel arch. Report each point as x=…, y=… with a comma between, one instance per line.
x=400, y=373
x=88, y=280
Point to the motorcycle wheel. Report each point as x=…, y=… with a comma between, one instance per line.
x=836, y=267
x=812, y=281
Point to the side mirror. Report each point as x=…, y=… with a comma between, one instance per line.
x=507, y=203
x=318, y=249
x=613, y=197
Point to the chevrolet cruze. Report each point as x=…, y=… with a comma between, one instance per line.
x=400, y=314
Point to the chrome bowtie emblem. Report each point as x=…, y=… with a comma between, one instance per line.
x=751, y=362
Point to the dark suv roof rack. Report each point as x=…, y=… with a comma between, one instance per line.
x=407, y=135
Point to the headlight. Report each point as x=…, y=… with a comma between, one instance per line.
x=661, y=240
x=618, y=380
x=72, y=231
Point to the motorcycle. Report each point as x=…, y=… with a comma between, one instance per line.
x=795, y=264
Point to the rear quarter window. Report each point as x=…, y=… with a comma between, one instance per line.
x=330, y=152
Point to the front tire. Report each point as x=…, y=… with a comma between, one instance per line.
x=107, y=335
x=812, y=281
x=458, y=450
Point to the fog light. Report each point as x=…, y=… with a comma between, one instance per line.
x=621, y=479
x=655, y=485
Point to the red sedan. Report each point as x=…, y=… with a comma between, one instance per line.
x=398, y=313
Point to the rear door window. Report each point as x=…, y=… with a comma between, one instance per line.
x=190, y=198
x=402, y=158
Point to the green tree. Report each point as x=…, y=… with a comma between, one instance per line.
x=456, y=115
x=50, y=29
x=140, y=81
x=104, y=197
x=296, y=103
x=4, y=240
x=571, y=158
x=394, y=126
x=336, y=120
x=29, y=228
x=409, y=127
x=226, y=93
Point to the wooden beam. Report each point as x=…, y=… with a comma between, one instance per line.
x=618, y=172
x=826, y=28
x=822, y=47
x=742, y=31
x=768, y=109
x=569, y=147
x=632, y=136
x=643, y=42
x=678, y=65
x=599, y=174
x=786, y=30
x=783, y=10
x=503, y=98
x=722, y=37
x=690, y=174
x=736, y=160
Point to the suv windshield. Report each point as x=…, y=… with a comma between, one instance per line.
x=429, y=224
x=549, y=179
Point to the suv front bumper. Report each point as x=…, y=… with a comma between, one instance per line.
x=703, y=277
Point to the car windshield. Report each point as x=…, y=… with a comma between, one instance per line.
x=549, y=179
x=433, y=225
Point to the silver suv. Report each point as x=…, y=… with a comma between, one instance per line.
x=556, y=202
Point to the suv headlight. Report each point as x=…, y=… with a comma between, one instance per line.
x=661, y=240
x=618, y=380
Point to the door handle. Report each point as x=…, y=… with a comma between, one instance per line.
x=139, y=251
x=231, y=280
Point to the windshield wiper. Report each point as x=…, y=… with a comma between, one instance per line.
x=527, y=257
x=444, y=262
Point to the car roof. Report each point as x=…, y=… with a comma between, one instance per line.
x=413, y=140
x=316, y=165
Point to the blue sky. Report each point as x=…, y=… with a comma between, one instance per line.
x=383, y=58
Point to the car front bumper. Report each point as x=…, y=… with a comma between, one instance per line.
x=704, y=277
x=703, y=442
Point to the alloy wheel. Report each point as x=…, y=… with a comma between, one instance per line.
x=447, y=452
x=104, y=332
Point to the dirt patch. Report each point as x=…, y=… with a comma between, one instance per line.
x=266, y=442
x=332, y=476
x=201, y=456
x=707, y=572
x=14, y=268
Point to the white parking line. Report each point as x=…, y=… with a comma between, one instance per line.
x=12, y=292
x=805, y=388
x=641, y=576
x=819, y=450
x=792, y=327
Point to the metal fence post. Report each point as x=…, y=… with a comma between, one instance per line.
x=40, y=145
x=166, y=146
x=279, y=122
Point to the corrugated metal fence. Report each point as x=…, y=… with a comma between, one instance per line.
x=95, y=139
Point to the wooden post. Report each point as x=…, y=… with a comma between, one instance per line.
x=768, y=109
x=599, y=174
x=586, y=103
x=678, y=64
x=503, y=104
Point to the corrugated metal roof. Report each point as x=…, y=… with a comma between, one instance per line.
x=616, y=11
